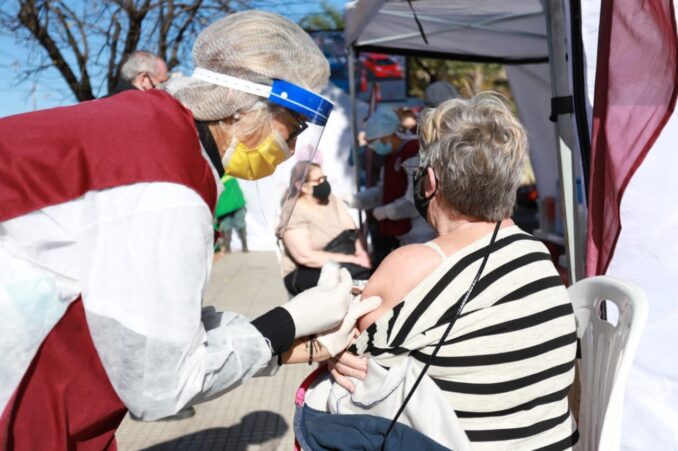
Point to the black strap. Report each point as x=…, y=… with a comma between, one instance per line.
x=447, y=331
x=561, y=105
x=207, y=141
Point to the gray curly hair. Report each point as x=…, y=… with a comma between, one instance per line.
x=477, y=150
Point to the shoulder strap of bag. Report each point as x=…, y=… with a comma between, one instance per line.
x=447, y=331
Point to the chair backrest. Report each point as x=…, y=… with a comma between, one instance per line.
x=607, y=352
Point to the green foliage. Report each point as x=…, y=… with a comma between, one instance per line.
x=468, y=78
x=329, y=18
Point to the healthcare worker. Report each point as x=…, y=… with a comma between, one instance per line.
x=106, y=239
x=392, y=199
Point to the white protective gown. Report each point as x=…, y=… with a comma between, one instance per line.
x=146, y=324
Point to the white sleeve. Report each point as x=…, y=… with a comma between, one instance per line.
x=146, y=258
x=368, y=198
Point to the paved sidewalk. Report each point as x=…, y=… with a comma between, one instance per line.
x=255, y=416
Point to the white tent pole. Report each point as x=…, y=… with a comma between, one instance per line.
x=558, y=54
x=354, y=125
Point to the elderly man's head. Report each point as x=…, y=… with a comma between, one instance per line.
x=144, y=70
x=476, y=148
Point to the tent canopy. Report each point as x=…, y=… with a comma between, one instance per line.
x=472, y=30
x=510, y=32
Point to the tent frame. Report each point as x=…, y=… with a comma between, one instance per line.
x=574, y=235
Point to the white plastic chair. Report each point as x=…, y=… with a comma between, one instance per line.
x=607, y=352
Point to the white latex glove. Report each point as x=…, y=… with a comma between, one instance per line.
x=379, y=213
x=349, y=199
x=324, y=306
x=338, y=339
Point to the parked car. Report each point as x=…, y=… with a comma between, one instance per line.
x=382, y=66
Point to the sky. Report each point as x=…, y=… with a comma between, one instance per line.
x=20, y=95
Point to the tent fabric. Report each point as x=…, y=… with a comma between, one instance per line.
x=484, y=30
x=474, y=29
x=531, y=89
x=635, y=94
x=645, y=255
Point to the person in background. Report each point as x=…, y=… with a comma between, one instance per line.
x=319, y=230
x=230, y=215
x=141, y=70
x=408, y=120
x=392, y=200
x=438, y=92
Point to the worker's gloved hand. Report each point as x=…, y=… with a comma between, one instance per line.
x=324, y=306
x=380, y=213
x=349, y=199
x=338, y=339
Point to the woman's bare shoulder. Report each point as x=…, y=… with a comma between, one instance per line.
x=401, y=271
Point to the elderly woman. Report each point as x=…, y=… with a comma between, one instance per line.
x=507, y=364
x=106, y=239
x=319, y=230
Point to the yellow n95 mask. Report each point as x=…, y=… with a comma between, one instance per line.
x=252, y=163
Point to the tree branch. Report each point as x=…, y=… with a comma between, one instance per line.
x=80, y=56
x=192, y=12
x=29, y=18
x=113, y=70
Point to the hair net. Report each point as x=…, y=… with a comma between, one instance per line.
x=440, y=91
x=382, y=122
x=253, y=45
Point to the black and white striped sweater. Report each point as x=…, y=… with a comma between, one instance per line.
x=508, y=363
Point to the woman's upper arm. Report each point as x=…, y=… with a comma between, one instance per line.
x=298, y=243
x=344, y=216
x=397, y=275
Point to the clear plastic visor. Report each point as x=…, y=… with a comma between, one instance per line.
x=300, y=116
x=305, y=149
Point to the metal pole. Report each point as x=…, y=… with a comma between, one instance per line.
x=354, y=125
x=558, y=54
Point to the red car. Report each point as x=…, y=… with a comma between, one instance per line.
x=382, y=66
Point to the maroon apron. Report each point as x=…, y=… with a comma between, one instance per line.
x=395, y=186
x=65, y=400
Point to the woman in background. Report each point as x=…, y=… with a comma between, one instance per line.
x=319, y=230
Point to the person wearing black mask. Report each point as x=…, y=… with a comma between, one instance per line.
x=481, y=340
x=319, y=230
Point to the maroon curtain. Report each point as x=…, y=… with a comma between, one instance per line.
x=635, y=94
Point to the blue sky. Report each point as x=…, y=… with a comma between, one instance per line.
x=20, y=96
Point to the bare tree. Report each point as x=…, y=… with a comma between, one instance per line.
x=88, y=41
x=328, y=18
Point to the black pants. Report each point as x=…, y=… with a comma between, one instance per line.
x=303, y=278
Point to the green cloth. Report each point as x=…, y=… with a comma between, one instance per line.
x=231, y=199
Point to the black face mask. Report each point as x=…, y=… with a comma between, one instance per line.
x=421, y=202
x=322, y=191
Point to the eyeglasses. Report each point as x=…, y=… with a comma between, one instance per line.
x=299, y=126
x=151, y=78
x=319, y=180
x=294, y=120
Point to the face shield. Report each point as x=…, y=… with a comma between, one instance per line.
x=303, y=112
